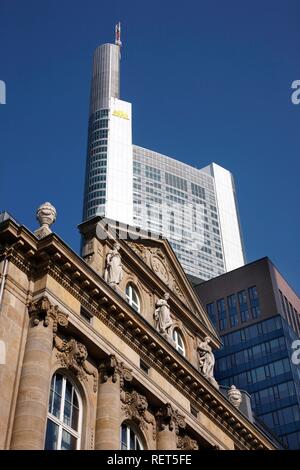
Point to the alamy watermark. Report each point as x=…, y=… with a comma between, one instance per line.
x=295, y=96
x=2, y=92
x=296, y=354
x=181, y=222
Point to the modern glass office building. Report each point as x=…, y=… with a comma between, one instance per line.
x=189, y=207
x=196, y=210
x=257, y=315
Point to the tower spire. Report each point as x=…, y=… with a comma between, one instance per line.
x=118, y=34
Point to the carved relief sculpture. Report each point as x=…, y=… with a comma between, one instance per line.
x=156, y=259
x=43, y=310
x=135, y=407
x=187, y=443
x=113, y=368
x=113, y=273
x=206, y=360
x=166, y=416
x=162, y=316
x=72, y=355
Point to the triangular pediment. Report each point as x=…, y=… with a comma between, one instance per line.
x=157, y=259
x=154, y=259
x=159, y=256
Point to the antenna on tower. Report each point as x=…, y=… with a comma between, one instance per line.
x=118, y=34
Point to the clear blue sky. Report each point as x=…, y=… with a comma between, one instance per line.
x=209, y=81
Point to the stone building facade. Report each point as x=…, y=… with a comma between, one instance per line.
x=105, y=351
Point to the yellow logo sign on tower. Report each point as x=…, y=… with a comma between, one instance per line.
x=120, y=114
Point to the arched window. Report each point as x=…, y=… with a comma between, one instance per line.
x=179, y=344
x=133, y=297
x=64, y=415
x=129, y=439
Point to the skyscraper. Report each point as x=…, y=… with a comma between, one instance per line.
x=196, y=210
x=108, y=182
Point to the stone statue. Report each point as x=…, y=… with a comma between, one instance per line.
x=162, y=315
x=234, y=396
x=113, y=273
x=46, y=216
x=206, y=360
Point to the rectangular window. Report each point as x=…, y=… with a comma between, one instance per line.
x=223, y=324
x=232, y=308
x=245, y=316
x=198, y=191
x=194, y=411
x=85, y=315
x=221, y=306
x=176, y=182
x=255, y=312
x=222, y=314
x=254, y=302
x=242, y=297
x=152, y=173
x=211, y=313
x=253, y=293
x=144, y=367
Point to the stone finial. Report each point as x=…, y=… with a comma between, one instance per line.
x=234, y=396
x=46, y=216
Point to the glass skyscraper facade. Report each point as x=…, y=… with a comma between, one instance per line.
x=179, y=202
x=196, y=210
x=257, y=315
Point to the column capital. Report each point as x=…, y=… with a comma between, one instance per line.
x=168, y=417
x=113, y=368
x=43, y=310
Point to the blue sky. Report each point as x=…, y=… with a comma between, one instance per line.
x=209, y=81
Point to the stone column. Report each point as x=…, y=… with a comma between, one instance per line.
x=111, y=378
x=32, y=403
x=169, y=421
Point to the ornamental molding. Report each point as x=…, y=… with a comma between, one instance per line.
x=112, y=368
x=135, y=407
x=159, y=264
x=73, y=355
x=42, y=310
x=168, y=417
